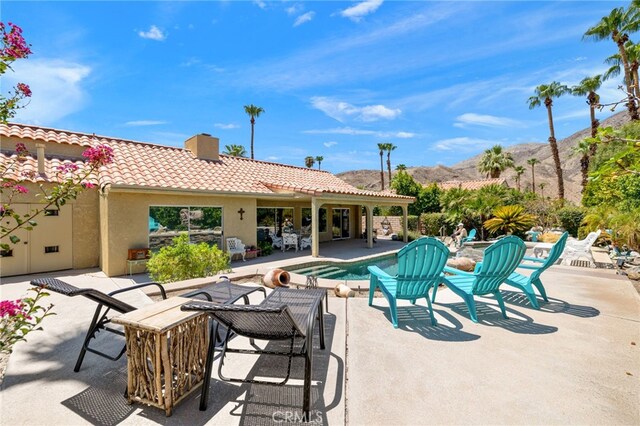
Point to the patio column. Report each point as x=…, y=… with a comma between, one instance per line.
x=405, y=223
x=369, y=220
x=315, y=243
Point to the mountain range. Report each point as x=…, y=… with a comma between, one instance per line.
x=468, y=169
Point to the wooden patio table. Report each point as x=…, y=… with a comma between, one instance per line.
x=166, y=352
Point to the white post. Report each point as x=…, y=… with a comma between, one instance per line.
x=315, y=243
x=405, y=223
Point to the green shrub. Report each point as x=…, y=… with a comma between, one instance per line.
x=265, y=248
x=412, y=223
x=509, y=220
x=182, y=261
x=411, y=235
x=432, y=222
x=571, y=218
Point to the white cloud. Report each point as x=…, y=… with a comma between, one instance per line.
x=359, y=132
x=342, y=110
x=272, y=158
x=226, y=126
x=472, y=119
x=154, y=33
x=57, y=87
x=462, y=144
x=355, y=13
x=294, y=9
x=304, y=18
x=330, y=144
x=261, y=4
x=137, y=123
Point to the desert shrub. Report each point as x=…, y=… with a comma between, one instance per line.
x=411, y=235
x=548, y=237
x=546, y=211
x=265, y=248
x=412, y=223
x=432, y=222
x=571, y=219
x=182, y=261
x=509, y=220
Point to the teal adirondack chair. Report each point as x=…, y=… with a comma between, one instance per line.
x=468, y=238
x=420, y=265
x=525, y=283
x=499, y=261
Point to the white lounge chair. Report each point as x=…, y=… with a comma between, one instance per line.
x=575, y=249
x=305, y=242
x=235, y=246
x=275, y=241
x=289, y=240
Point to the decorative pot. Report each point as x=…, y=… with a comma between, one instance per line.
x=342, y=290
x=276, y=278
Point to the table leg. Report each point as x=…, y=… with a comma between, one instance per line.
x=168, y=376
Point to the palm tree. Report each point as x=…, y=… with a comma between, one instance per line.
x=519, y=172
x=235, y=150
x=401, y=167
x=494, y=161
x=584, y=149
x=532, y=162
x=588, y=87
x=309, y=162
x=382, y=147
x=389, y=147
x=542, y=185
x=614, y=26
x=545, y=94
x=319, y=159
x=253, y=112
x=616, y=67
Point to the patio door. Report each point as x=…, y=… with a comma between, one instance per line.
x=341, y=223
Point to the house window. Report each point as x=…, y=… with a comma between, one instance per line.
x=203, y=224
x=322, y=220
x=272, y=219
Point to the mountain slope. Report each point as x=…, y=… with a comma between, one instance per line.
x=467, y=169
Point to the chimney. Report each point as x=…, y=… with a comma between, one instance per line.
x=40, y=156
x=203, y=146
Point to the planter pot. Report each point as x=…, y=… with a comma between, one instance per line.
x=276, y=278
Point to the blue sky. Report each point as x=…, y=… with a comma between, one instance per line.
x=441, y=80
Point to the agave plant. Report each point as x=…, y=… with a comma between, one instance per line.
x=509, y=219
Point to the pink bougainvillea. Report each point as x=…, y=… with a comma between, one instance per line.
x=15, y=46
x=24, y=90
x=10, y=308
x=99, y=155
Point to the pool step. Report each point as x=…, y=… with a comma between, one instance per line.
x=317, y=270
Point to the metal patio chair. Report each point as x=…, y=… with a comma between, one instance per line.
x=286, y=314
x=223, y=292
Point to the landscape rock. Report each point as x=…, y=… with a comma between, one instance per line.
x=462, y=263
x=633, y=273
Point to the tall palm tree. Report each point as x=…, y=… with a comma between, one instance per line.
x=494, y=161
x=389, y=147
x=532, y=162
x=382, y=147
x=235, y=150
x=615, y=65
x=542, y=185
x=319, y=159
x=254, y=112
x=584, y=149
x=544, y=94
x=615, y=26
x=401, y=167
x=309, y=162
x=519, y=172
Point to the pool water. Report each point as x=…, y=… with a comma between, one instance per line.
x=347, y=270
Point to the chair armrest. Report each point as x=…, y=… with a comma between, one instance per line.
x=534, y=259
x=135, y=287
x=455, y=271
x=379, y=273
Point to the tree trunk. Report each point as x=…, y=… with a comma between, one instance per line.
x=533, y=178
x=584, y=169
x=518, y=182
x=389, y=166
x=554, y=149
x=381, y=172
x=628, y=76
x=253, y=122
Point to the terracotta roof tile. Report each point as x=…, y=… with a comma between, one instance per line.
x=141, y=164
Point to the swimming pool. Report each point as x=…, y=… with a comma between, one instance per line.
x=347, y=270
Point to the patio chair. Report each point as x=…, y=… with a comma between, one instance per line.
x=305, y=242
x=499, y=261
x=289, y=240
x=286, y=315
x=468, y=238
x=235, y=246
x=576, y=249
x=420, y=265
x=276, y=242
x=223, y=292
x=526, y=283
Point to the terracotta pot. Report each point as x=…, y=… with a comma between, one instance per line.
x=342, y=290
x=276, y=278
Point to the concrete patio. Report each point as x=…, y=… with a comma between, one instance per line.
x=576, y=361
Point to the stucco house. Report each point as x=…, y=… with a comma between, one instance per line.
x=151, y=192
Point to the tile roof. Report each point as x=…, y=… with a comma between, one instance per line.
x=471, y=184
x=139, y=164
x=26, y=168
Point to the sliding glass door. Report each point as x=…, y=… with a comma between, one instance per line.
x=340, y=223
